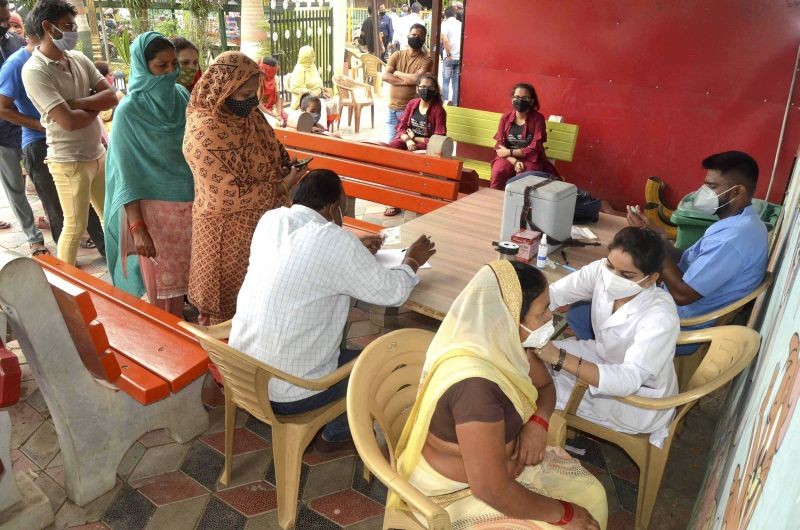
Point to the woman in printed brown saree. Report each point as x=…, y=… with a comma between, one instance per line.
x=240, y=171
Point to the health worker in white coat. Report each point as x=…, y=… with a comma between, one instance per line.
x=636, y=325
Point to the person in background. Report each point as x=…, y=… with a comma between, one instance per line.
x=105, y=71
x=69, y=92
x=451, y=48
x=149, y=187
x=520, y=137
x=404, y=10
x=313, y=105
x=240, y=171
x=730, y=260
x=15, y=24
x=11, y=148
x=386, y=27
x=16, y=107
x=459, y=6
x=293, y=305
x=367, y=36
x=401, y=72
x=271, y=100
x=636, y=325
x=188, y=61
x=306, y=78
x=402, y=32
x=424, y=116
x=475, y=441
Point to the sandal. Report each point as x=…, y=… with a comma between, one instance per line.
x=42, y=223
x=37, y=249
x=5, y=225
x=88, y=243
x=391, y=211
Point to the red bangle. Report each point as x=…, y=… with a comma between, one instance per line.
x=569, y=511
x=136, y=226
x=541, y=421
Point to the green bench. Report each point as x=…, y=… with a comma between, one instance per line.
x=478, y=127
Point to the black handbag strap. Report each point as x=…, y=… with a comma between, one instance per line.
x=526, y=216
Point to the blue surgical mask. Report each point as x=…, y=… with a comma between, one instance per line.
x=316, y=116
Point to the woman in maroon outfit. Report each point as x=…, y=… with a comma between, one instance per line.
x=423, y=117
x=520, y=139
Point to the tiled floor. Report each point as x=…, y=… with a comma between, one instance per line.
x=165, y=485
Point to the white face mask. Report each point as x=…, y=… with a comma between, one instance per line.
x=618, y=287
x=539, y=337
x=707, y=202
x=68, y=40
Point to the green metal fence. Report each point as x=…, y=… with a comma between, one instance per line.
x=355, y=17
x=292, y=26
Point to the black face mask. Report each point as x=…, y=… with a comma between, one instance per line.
x=381, y=13
x=426, y=94
x=242, y=108
x=460, y=17
x=3, y=31
x=416, y=42
x=520, y=105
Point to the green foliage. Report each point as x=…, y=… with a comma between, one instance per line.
x=122, y=42
x=265, y=47
x=169, y=28
x=138, y=10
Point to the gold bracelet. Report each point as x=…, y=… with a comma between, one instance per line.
x=578, y=371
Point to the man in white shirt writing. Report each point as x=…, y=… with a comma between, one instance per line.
x=294, y=302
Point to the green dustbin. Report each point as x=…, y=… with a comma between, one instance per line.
x=693, y=224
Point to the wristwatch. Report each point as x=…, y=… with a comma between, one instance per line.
x=562, y=355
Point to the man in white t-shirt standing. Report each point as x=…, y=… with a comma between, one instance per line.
x=451, y=48
x=404, y=26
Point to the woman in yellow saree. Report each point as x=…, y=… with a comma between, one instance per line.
x=475, y=438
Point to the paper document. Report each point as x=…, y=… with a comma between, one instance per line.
x=581, y=232
x=393, y=258
x=391, y=236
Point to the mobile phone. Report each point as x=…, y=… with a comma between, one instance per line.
x=302, y=163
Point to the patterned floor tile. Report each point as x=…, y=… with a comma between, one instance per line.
x=313, y=458
x=269, y=476
x=626, y=492
x=361, y=342
x=630, y=473
x=26, y=389
x=247, y=468
x=594, y=452
x=357, y=315
x=57, y=474
x=72, y=515
x=42, y=446
x=20, y=462
x=376, y=523
x=23, y=413
x=260, y=428
x=203, y=464
x=310, y=520
x=158, y=460
x=129, y=511
x=220, y=516
x=182, y=515
x=91, y=526
x=211, y=393
x=346, y=507
x=168, y=488
x=615, y=458
x=244, y=441
x=52, y=489
x=620, y=520
x=251, y=499
x=267, y=521
x=20, y=432
x=374, y=489
x=329, y=477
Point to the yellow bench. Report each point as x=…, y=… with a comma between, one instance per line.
x=478, y=127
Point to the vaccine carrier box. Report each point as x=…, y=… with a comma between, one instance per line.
x=553, y=208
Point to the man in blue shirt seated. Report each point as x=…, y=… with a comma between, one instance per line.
x=724, y=265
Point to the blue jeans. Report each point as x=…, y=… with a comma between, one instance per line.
x=338, y=429
x=451, y=74
x=579, y=318
x=391, y=123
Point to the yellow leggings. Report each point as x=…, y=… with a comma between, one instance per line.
x=78, y=184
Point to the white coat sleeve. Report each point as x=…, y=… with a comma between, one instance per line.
x=653, y=347
x=578, y=286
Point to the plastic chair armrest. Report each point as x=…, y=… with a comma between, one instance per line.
x=219, y=331
x=575, y=398
x=321, y=383
x=730, y=308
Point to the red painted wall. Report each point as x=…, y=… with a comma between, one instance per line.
x=655, y=86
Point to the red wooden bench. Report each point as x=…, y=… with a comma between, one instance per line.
x=110, y=366
x=126, y=341
x=410, y=181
